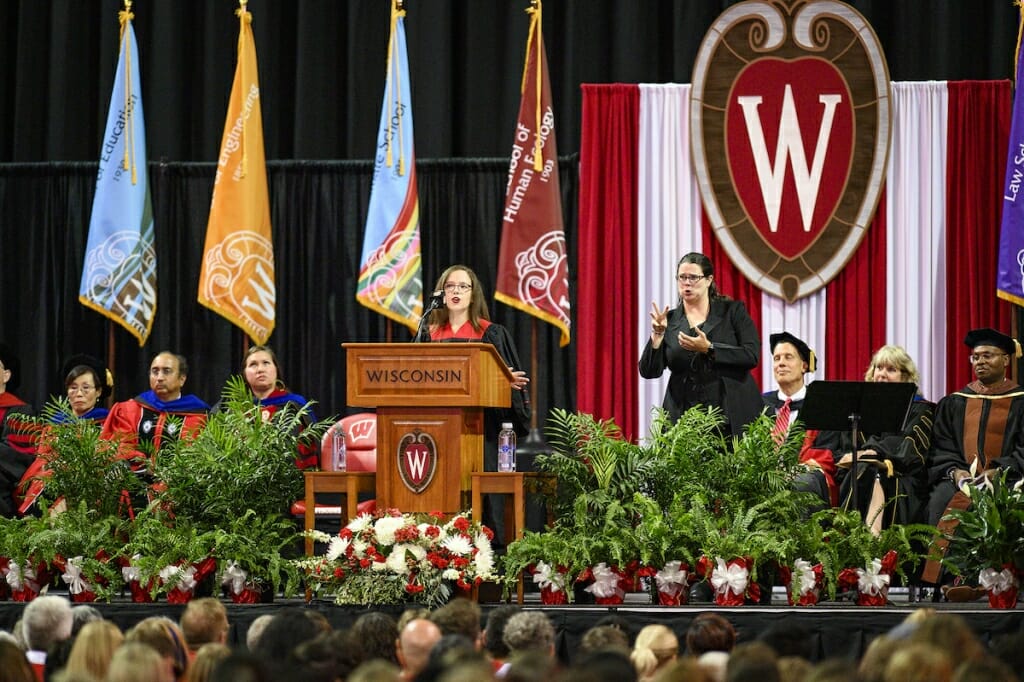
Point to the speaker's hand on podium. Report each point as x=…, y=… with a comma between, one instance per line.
x=519, y=379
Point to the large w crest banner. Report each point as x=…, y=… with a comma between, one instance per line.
x=119, y=273
x=532, y=267
x=790, y=116
x=390, y=274
x=1010, y=280
x=237, y=278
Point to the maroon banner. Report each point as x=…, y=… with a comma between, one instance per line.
x=532, y=267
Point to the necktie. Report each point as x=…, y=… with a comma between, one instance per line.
x=781, y=422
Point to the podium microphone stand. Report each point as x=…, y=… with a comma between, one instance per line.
x=857, y=407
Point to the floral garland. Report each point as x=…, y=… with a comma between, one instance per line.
x=391, y=558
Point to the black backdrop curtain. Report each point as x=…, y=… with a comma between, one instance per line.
x=322, y=65
x=317, y=210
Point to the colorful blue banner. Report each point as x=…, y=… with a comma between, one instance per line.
x=119, y=273
x=390, y=274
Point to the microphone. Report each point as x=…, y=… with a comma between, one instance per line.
x=436, y=301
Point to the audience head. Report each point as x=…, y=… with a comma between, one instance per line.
x=710, y=632
x=82, y=615
x=377, y=670
x=411, y=614
x=793, y=668
x=376, y=633
x=918, y=662
x=656, y=646
x=876, y=658
x=204, y=621
x=620, y=622
x=47, y=620
x=602, y=637
x=256, y=628
x=207, y=658
x=530, y=666
x=415, y=642
x=460, y=616
x=752, y=662
x=985, y=670
x=450, y=650
x=167, y=374
x=689, y=669
x=94, y=647
x=892, y=364
x=241, y=666
x=607, y=665
x=13, y=663
x=530, y=631
x=833, y=670
x=134, y=661
x=950, y=633
x=287, y=628
x=332, y=655
x=164, y=636
x=494, y=631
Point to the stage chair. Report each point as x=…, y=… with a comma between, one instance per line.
x=360, y=455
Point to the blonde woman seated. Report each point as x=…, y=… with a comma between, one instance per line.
x=656, y=648
x=892, y=478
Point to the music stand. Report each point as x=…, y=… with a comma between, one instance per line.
x=858, y=407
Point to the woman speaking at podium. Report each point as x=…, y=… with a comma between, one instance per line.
x=464, y=317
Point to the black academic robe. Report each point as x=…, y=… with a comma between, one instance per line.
x=901, y=470
x=818, y=447
x=720, y=379
x=966, y=415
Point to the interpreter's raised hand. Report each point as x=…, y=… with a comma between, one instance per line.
x=659, y=319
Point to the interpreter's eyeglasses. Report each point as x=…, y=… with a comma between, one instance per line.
x=80, y=389
x=986, y=357
x=690, y=279
x=461, y=288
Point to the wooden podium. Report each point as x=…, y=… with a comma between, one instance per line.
x=430, y=401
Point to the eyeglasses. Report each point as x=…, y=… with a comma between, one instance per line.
x=986, y=357
x=80, y=389
x=166, y=371
x=461, y=288
x=690, y=279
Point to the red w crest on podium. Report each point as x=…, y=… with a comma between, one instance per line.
x=417, y=460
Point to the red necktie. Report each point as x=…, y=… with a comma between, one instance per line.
x=781, y=422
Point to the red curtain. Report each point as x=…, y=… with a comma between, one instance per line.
x=855, y=303
x=979, y=128
x=607, y=350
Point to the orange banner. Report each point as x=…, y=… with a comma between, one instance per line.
x=237, y=278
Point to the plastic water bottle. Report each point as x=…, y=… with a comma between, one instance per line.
x=507, y=448
x=338, y=462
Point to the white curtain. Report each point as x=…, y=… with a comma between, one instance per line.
x=916, y=218
x=668, y=213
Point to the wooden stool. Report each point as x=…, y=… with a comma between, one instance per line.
x=506, y=483
x=348, y=483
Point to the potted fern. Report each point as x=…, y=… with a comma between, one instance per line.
x=988, y=542
x=553, y=559
x=252, y=551
x=860, y=563
x=167, y=555
x=668, y=549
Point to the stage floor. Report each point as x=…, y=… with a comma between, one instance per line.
x=836, y=630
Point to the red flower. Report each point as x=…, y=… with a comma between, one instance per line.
x=488, y=532
x=345, y=533
x=432, y=532
x=339, y=573
x=889, y=562
x=364, y=563
x=436, y=514
x=462, y=523
x=460, y=562
x=407, y=534
x=412, y=588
